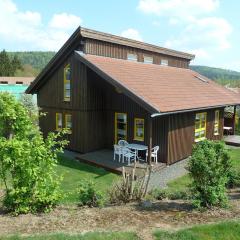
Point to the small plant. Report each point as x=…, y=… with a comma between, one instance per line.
x=233, y=179
x=89, y=195
x=210, y=168
x=130, y=188
x=161, y=194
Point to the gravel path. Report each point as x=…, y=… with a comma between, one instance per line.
x=169, y=173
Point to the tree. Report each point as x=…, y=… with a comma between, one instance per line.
x=9, y=66
x=27, y=160
x=210, y=167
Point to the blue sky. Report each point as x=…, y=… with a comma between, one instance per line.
x=208, y=28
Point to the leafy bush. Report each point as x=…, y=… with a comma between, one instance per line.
x=89, y=195
x=27, y=161
x=233, y=179
x=161, y=194
x=209, y=168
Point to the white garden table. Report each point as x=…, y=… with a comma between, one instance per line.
x=137, y=147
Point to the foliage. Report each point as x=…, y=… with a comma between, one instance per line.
x=233, y=179
x=89, y=195
x=209, y=168
x=38, y=60
x=31, y=106
x=221, y=76
x=161, y=194
x=131, y=187
x=9, y=65
x=219, y=231
x=27, y=161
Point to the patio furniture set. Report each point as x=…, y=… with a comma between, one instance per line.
x=130, y=152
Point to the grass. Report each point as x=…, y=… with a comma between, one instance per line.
x=87, y=236
x=74, y=172
x=221, y=231
x=182, y=183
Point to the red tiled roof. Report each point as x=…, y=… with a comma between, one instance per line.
x=165, y=88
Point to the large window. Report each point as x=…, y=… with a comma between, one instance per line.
x=58, y=121
x=132, y=57
x=68, y=122
x=200, y=126
x=67, y=83
x=120, y=126
x=216, y=123
x=139, y=129
x=147, y=59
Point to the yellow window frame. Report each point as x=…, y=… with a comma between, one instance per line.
x=135, y=129
x=57, y=120
x=65, y=82
x=216, y=122
x=201, y=129
x=115, y=126
x=67, y=118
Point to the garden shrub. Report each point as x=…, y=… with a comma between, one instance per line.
x=89, y=195
x=209, y=167
x=161, y=194
x=233, y=179
x=27, y=160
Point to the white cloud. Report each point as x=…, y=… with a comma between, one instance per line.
x=132, y=34
x=177, y=8
x=204, y=36
x=25, y=28
x=65, y=21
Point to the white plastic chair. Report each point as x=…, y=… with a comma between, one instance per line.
x=154, y=155
x=122, y=143
x=129, y=154
x=117, y=151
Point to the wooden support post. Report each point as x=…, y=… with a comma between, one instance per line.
x=234, y=119
x=149, y=140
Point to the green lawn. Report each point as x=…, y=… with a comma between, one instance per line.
x=74, y=172
x=220, y=231
x=183, y=182
x=88, y=236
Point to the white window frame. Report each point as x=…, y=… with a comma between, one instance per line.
x=132, y=57
x=164, y=62
x=147, y=59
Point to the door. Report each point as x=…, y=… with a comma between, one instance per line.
x=120, y=127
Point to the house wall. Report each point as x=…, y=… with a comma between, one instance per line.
x=182, y=131
x=113, y=50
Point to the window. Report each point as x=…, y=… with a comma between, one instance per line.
x=200, y=126
x=139, y=129
x=216, y=123
x=67, y=83
x=120, y=126
x=164, y=62
x=148, y=59
x=58, y=121
x=68, y=122
x=132, y=57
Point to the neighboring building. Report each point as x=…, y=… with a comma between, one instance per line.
x=107, y=88
x=15, y=85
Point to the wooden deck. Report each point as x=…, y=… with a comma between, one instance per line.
x=233, y=140
x=104, y=159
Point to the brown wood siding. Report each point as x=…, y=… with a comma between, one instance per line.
x=182, y=131
x=106, y=49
